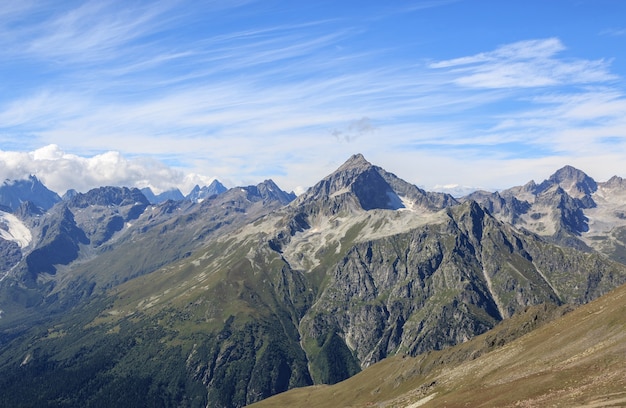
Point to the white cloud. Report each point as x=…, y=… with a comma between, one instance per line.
x=61, y=171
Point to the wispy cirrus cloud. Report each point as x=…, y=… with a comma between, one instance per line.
x=84, y=32
x=91, y=31
x=525, y=64
x=614, y=32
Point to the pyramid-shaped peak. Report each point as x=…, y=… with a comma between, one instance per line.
x=216, y=185
x=569, y=173
x=575, y=182
x=357, y=161
x=269, y=183
x=269, y=190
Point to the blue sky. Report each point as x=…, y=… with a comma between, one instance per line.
x=479, y=93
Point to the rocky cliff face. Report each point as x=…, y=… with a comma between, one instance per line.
x=422, y=274
x=439, y=285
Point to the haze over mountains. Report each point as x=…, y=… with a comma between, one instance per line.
x=228, y=296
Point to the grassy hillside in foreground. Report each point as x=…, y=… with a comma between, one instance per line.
x=578, y=360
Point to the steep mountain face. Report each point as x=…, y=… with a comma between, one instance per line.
x=198, y=193
x=545, y=356
x=270, y=192
x=14, y=192
x=358, y=182
x=87, y=219
x=249, y=293
x=440, y=284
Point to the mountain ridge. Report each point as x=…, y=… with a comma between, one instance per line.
x=568, y=208
x=254, y=291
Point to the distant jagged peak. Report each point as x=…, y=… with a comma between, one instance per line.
x=109, y=195
x=216, y=185
x=569, y=173
x=14, y=192
x=201, y=193
x=270, y=184
x=269, y=190
x=69, y=194
x=572, y=180
x=31, y=178
x=614, y=182
x=173, y=194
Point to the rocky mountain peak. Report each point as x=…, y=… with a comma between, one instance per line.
x=173, y=194
x=568, y=173
x=28, y=209
x=270, y=191
x=342, y=178
x=575, y=182
x=201, y=193
x=355, y=162
x=217, y=187
x=358, y=181
x=14, y=192
x=615, y=182
x=69, y=194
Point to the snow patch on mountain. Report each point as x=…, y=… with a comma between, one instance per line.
x=12, y=229
x=407, y=205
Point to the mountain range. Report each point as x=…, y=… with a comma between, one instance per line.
x=227, y=297
x=196, y=194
